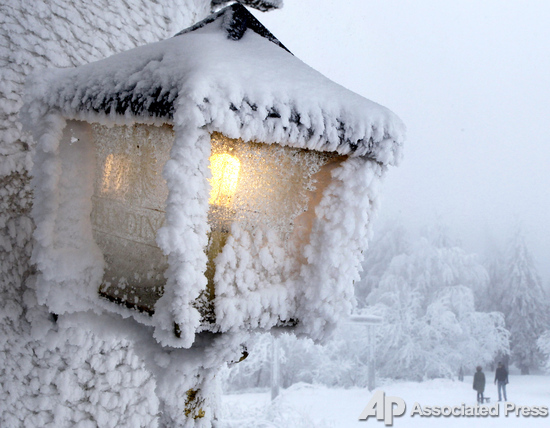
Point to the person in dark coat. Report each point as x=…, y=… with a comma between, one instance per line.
x=479, y=384
x=501, y=377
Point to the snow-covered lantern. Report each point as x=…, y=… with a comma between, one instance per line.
x=208, y=183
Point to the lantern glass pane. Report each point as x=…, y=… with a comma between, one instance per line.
x=128, y=208
x=262, y=187
x=258, y=185
x=271, y=187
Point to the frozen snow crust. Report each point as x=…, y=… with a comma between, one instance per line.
x=203, y=81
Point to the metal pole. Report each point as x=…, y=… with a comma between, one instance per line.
x=370, y=322
x=371, y=361
x=275, y=367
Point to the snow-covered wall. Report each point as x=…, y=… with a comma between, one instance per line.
x=56, y=374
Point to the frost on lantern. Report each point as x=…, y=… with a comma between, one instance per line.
x=261, y=184
x=263, y=187
x=283, y=224
x=258, y=186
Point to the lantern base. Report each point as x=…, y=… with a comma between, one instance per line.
x=142, y=300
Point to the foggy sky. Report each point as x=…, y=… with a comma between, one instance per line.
x=470, y=80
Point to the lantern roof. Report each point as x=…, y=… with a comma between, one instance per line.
x=236, y=20
x=234, y=77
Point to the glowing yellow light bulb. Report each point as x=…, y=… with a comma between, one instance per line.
x=225, y=174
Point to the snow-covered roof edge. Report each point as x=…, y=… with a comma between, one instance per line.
x=243, y=82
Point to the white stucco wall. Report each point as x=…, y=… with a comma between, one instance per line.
x=56, y=374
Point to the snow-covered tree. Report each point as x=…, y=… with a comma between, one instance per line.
x=524, y=303
x=341, y=362
x=429, y=268
x=492, y=299
x=458, y=334
x=544, y=347
x=439, y=235
x=390, y=240
x=431, y=326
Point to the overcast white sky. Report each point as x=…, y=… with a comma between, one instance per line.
x=470, y=80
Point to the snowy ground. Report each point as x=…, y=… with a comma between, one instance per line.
x=305, y=405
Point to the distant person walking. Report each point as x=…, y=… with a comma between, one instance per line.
x=501, y=378
x=479, y=384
